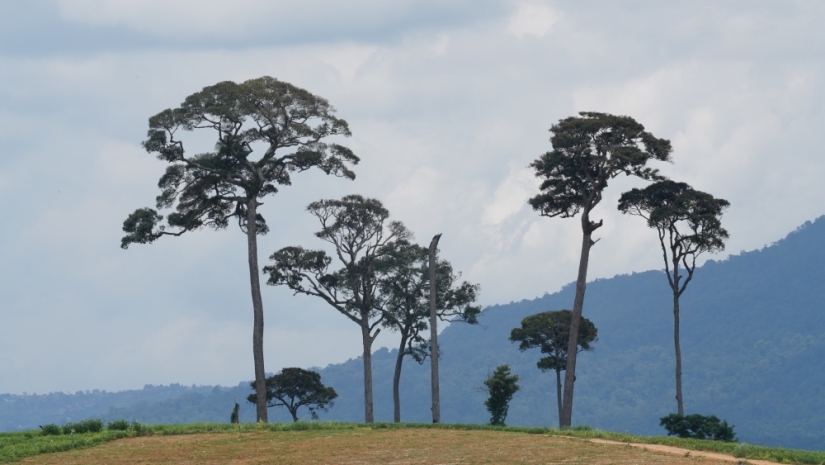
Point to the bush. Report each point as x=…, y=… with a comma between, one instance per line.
x=85, y=426
x=137, y=427
x=118, y=425
x=50, y=430
x=698, y=427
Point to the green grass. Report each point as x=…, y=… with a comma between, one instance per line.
x=16, y=446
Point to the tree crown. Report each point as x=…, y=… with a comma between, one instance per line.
x=209, y=189
x=294, y=388
x=588, y=151
x=550, y=332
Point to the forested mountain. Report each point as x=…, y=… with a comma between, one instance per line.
x=753, y=341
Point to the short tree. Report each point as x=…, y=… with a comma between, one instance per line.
x=589, y=151
x=550, y=332
x=501, y=386
x=294, y=388
x=689, y=223
x=405, y=289
x=210, y=189
x=361, y=234
x=698, y=427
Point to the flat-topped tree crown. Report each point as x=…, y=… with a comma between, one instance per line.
x=208, y=189
x=588, y=151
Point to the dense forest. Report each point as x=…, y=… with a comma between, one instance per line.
x=753, y=342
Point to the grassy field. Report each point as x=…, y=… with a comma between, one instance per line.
x=383, y=443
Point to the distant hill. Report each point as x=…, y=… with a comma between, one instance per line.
x=753, y=332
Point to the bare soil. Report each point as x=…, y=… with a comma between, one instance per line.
x=364, y=446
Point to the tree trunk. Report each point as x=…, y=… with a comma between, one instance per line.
x=367, y=341
x=396, y=380
x=679, y=404
x=258, y=309
x=558, y=393
x=436, y=408
x=578, y=303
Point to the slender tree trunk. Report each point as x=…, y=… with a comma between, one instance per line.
x=396, y=380
x=558, y=393
x=258, y=309
x=294, y=414
x=578, y=303
x=436, y=408
x=679, y=403
x=367, y=340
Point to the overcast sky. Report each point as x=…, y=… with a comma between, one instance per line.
x=448, y=102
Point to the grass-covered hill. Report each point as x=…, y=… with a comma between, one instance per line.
x=753, y=341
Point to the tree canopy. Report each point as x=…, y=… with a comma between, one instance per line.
x=294, y=388
x=501, y=386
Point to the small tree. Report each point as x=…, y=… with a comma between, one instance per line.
x=501, y=387
x=550, y=332
x=698, y=427
x=588, y=151
x=361, y=234
x=294, y=388
x=689, y=223
x=213, y=188
x=405, y=287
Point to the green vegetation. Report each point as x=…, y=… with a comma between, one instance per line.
x=16, y=446
x=294, y=388
x=501, y=387
x=698, y=427
x=85, y=426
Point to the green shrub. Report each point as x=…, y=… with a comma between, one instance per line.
x=137, y=427
x=50, y=430
x=698, y=427
x=85, y=426
x=118, y=425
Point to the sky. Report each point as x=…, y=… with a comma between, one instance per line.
x=448, y=103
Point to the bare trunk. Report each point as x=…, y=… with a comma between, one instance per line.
x=679, y=403
x=558, y=393
x=396, y=380
x=436, y=408
x=578, y=303
x=367, y=340
x=258, y=309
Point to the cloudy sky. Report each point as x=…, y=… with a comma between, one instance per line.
x=448, y=102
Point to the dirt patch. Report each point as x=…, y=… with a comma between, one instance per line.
x=365, y=446
x=685, y=452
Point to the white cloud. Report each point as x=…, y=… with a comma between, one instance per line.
x=533, y=19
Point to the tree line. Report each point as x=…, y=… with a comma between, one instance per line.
x=377, y=276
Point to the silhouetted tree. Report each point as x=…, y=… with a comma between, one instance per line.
x=361, y=233
x=588, y=151
x=288, y=125
x=405, y=286
x=294, y=388
x=689, y=223
x=550, y=332
x=501, y=387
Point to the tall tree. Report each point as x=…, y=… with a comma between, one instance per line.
x=550, y=332
x=588, y=151
x=500, y=386
x=288, y=125
x=294, y=388
x=434, y=377
x=688, y=223
x=361, y=234
x=405, y=285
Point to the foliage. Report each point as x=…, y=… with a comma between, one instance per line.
x=294, y=388
x=549, y=332
x=209, y=189
x=501, y=386
x=50, y=430
x=85, y=426
x=118, y=425
x=697, y=426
